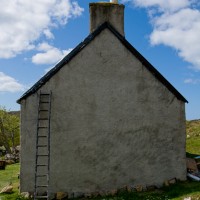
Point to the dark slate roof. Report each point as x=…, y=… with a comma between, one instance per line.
x=83, y=44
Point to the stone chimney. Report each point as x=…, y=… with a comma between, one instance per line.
x=111, y=12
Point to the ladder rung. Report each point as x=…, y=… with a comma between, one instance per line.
x=44, y=94
x=43, y=118
x=41, y=197
x=42, y=175
x=43, y=155
x=44, y=102
x=42, y=165
x=44, y=136
x=43, y=110
x=41, y=186
x=42, y=145
x=42, y=127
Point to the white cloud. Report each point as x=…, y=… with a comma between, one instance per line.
x=175, y=24
x=163, y=5
x=49, y=55
x=180, y=30
x=48, y=34
x=192, y=81
x=9, y=84
x=22, y=22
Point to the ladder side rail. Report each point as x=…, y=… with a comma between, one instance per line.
x=36, y=151
x=49, y=135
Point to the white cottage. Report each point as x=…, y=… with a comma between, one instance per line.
x=102, y=118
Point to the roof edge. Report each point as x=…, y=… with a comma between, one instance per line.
x=148, y=65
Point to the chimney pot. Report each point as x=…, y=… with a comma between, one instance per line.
x=113, y=1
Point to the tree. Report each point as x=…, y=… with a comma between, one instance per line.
x=9, y=129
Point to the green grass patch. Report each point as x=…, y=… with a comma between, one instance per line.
x=7, y=176
x=193, y=145
x=193, y=138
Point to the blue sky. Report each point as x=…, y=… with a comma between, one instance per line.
x=37, y=34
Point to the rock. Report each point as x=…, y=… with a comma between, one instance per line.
x=7, y=189
x=113, y=192
x=10, y=162
x=187, y=198
x=166, y=183
x=139, y=188
x=87, y=195
x=172, y=181
x=25, y=194
x=191, y=165
x=61, y=195
x=130, y=189
x=122, y=189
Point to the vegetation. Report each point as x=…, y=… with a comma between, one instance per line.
x=9, y=129
x=10, y=176
x=193, y=138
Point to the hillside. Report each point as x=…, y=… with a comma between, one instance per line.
x=193, y=128
x=193, y=137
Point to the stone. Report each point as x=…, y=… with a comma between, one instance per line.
x=166, y=183
x=10, y=162
x=113, y=192
x=61, y=195
x=191, y=164
x=25, y=194
x=88, y=195
x=8, y=189
x=122, y=189
x=139, y=188
x=187, y=198
x=130, y=189
x=172, y=181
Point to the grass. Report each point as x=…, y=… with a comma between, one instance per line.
x=193, y=138
x=7, y=176
x=193, y=145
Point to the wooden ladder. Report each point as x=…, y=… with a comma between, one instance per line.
x=42, y=159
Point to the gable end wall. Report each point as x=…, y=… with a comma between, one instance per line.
x=113, y=124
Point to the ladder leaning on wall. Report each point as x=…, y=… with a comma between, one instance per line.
x=42, y=159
